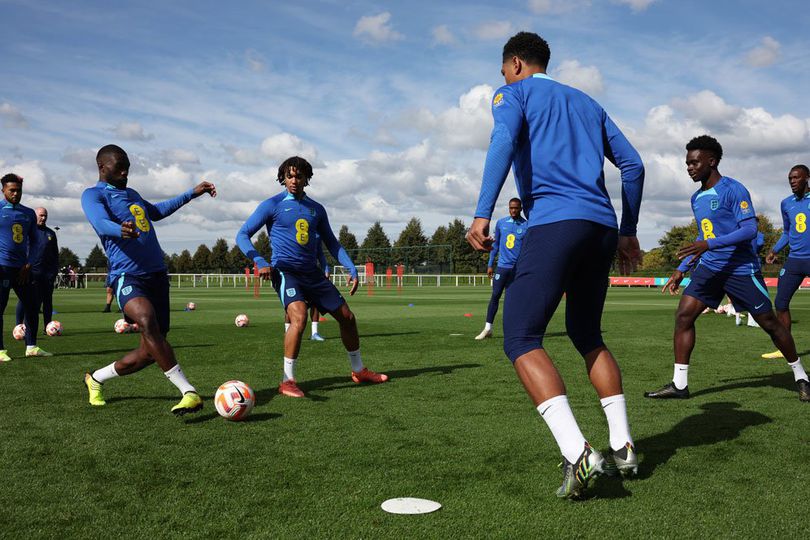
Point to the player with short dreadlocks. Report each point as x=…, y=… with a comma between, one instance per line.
x=296, y=224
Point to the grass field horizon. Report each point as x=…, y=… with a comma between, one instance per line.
x=453, y=425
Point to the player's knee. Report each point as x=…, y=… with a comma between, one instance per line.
x=683, y=320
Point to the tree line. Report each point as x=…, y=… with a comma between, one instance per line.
x=446, y=251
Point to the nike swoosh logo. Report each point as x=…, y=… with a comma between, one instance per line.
x=287, y=209
x=759, y=306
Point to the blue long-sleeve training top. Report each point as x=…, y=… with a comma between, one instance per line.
x=44, y=256
x=292, y=225
x=557, y=138
x=107, y=207
x=17, y=234
x=508, y=235
x=794, y=227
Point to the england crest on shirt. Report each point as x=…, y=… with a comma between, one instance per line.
x=715, y=204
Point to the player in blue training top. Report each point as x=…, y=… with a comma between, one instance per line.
x=292, y=220
x=44, y=259
x=795, y=210
x=722, y=262
x=124, y=221
x=509, y=233
x=314, y=314
x=18, y=240
x=557, y=138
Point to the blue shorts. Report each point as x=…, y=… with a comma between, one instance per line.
x=154, y=287
x=790, y=279
x=311, y=287
x=747, y=293
x=572, y=257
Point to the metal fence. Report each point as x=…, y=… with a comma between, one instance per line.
x=339, y=278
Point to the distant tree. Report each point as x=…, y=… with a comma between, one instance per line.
x=96, y=259
x=440, y=255
x=237, y=261
x=219, y=256
x=771, y=233
x=67, y=257
x=376, y=246
x=654, y=260
x=465, y=258
x=201, y=261
x=674, y=239
x=347, y=239
x=410, y=246
x=184, y=263
x=262, y=244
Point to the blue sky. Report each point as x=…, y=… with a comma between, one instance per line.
x=390, y=100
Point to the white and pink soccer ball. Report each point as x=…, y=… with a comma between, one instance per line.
x=19, y=332
x=122, y=327
x=234, y=400
x=54, y=328
x=191, y=306
x=241, y=320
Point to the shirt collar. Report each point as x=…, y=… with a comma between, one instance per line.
x=291, y=197
x=542, y=76
x=7, y=204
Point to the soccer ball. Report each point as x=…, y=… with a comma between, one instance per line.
x=54, y=328
x=191, y=306
x=234, y=400
x=122, y=326
x=19, y=332
x=242, y=320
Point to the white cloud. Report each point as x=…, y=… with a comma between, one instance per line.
x=443, y=36
x=162, y=181
x=555, y=7
x=11, y=116
x=132, y=131
x=283, y=145
x=376, y=29
x=495, y=30
x=709, y=108
x=636, y=5
x=585, y=78
x=180, y=155
x=466, y=126
x=764, y=55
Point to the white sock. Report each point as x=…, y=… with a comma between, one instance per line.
x=560, y=420
x=752, y=322
x=289, y=368
x=357, y=363
x=29, y=347
x=679, y=377
x=487, y=327
x=178, y=378
x=286, y=327
x=105, y=373
x=615, y=409
x=314, y=327
x=798, y=370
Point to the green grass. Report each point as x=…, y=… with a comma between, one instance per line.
x=454, y=425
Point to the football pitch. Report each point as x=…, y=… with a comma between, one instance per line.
x=453, y=425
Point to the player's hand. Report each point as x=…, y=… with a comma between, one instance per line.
x=23, y=275
x=696, y=248
x=265, y=273
x=490, y=272
x=629, y=254
x=353, y=284
x=673, y=284
x=478, y=235
x=770, y=258
x=128, y=230
x=205, y=187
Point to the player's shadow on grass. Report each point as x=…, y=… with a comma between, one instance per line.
x=126, y=350
x=255, y=417
x=327, y=384
x=776, y=380
x=719, y=422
